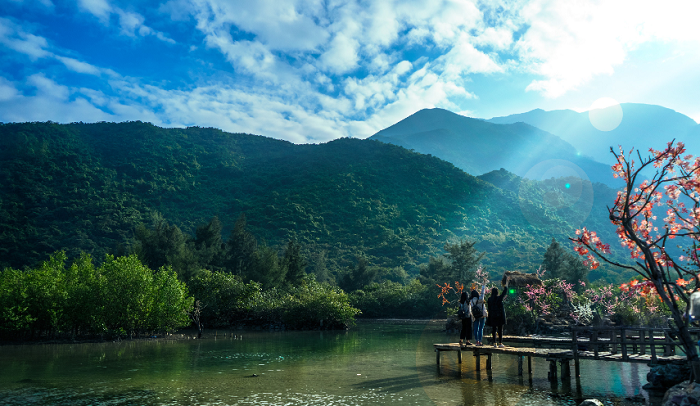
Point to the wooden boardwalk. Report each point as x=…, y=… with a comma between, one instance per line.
x=614, y=344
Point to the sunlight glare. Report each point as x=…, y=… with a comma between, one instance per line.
x=605, y=114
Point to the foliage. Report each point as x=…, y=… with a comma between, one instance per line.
x=228, y=301
x=346, y=198
x=676, y=175
x=395, y=300
x=561, y=264
x=120, y=297
x=317, y=305
x=225, y=298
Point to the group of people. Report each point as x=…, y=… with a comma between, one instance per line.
x=475, y=314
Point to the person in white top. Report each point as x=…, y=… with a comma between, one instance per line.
x=478, y=301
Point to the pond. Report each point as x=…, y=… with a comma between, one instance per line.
x=374, y=363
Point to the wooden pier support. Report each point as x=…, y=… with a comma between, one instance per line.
x=529, y=365
x=552, y=375
x=488, y=362
x=520, y=364
x=565, y=369
x=477, y=360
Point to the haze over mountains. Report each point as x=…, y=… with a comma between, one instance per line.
x=643, y=126
x=478, y=146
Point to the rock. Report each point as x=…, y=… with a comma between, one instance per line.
x=636, y=398
x=684, y=394
x=666, y=376
x=591, y=402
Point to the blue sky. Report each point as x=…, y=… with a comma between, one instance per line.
x=312, y=71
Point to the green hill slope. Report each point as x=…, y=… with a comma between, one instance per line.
x=86, y=186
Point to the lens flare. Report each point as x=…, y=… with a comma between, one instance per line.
x=605, y=114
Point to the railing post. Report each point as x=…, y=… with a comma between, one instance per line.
x=668, y=344
x=653, y=347
x=642, y=340
x=613, y=341
x=623, y=345
x=594, y=341
x=574, y=349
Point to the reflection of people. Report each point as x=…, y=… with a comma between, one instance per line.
x=466, y=334
x=497, y=314
x=478, y=300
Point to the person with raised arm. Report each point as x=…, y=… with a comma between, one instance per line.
x=497, y=314
x=479, y=313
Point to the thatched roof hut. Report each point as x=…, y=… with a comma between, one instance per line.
x=519, y=279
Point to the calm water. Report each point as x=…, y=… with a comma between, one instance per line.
x=371, y=364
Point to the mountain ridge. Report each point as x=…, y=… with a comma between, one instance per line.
x=478, y=146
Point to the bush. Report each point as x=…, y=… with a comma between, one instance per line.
x=316, y=304
x=225, y=298
x=392, y=299
x=121, y=297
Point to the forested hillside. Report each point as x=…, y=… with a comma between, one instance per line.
x=86, y=187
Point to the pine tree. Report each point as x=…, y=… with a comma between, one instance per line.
x=294, y=263
x=464, y=260
x=209, y=245
x=241, y=247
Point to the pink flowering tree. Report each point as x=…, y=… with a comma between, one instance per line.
x=647, y=238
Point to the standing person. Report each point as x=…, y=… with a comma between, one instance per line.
x=497, y=314
x=479, y=320
x=466, y=334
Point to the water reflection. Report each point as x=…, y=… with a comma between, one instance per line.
x=375, y=363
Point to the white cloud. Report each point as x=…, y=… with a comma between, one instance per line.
x=314, y=70
x=16, y=38
x=131, y=24
x=569, y=43
x=79, y=66
x=7, y=90
x=341, y=55
x=99, y=8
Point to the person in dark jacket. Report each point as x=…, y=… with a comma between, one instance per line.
x=497, y=314
x=466, y=334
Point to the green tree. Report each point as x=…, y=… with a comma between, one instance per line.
x=464, y=260
x=241, y=248
x=320, y=269
x=266, y=268
x=564, y=265
x=209, y=246
x=437, y=270
x=164, y=244
x=357, y=276
x=555, y=260
x=294, y=263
